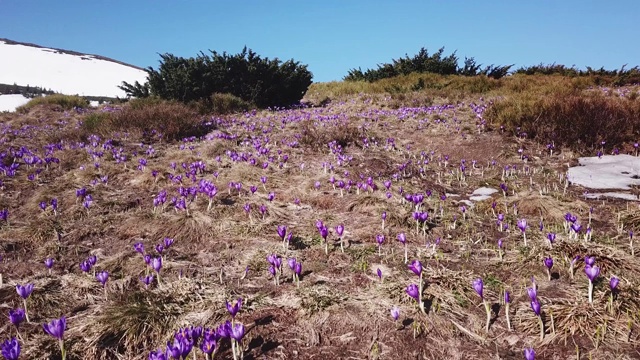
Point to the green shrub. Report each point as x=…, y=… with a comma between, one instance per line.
x=260, y=81
x=422, y=62
x=66, y=102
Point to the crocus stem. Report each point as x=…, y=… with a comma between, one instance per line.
x=524, y=235
x=64, y=353
x=26, y=313
x=420, y=294
x=549, y=274
x=341, y=246
x=590, y=291
x=233, y=349
x=158, y=278
x=405, y=253
x=506, y=309
x=326, y=247
x=541, y=327
x=488, y=310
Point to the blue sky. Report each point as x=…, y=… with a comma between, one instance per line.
x=333, y=36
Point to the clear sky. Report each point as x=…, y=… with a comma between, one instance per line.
x=333, y=36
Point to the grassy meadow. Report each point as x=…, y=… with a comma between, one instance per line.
x=154, y=216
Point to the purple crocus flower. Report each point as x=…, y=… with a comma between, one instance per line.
x=282, y=231
x=402, y=238
x=235, y=308
x=592, y=272
x=158, y=355
x=16, y=317
x=147, y=280
x=56, y=328
x=102, y=277
x=533, y=293
x=613, y=283
x=180, y=348
x=507, y=297
x=548, y=262
x=522, y=225
x=237, y=331
x=10, y=349
x=24, y=291
x=379, y=273
x=43, y=205
x=85, y=266
x=159, y=248
x=168, y=242
x=92, y=260
x=395, y=313
x=412, y=290
x=48, y=263
x=416, y=267
x=478, y=286
x=589, y=260
x=339, y=230
x=529, y=354
x=156, y=264
x=535, y=306
x=551, y=237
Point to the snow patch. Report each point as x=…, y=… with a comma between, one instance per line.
x=482, y=193
x=11, y=102
x=607, y=172
x=83, y=75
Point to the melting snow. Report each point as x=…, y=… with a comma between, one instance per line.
x=11, y=102
x=612, y=195
x=64, y=73
x=482, y=193
x=608, y=172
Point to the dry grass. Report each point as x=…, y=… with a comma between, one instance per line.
x=341, y=308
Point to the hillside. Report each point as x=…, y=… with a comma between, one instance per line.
x=64, y=71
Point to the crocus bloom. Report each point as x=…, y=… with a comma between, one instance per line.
x=56, y=328
x=529, y=354
x=156, y=264
x=533, y=294
x=237, y=331
x=235, y=308
x=11, y=349
x=139, y=247
x=24, y=291
x=592, y=273
x=48, y=262
x=158, y=355
x=282, y=230
x=589, y=260
x=416, y=267
x=478, y=286
x=147, y=280
x=535, y=306
x=16, y=317
x=102, y=277
x=168, y=242
x=412, y=290
x=613, y=283
x=395, y=313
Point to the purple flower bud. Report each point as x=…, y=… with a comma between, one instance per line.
x=282, y=231
x=56, y=328
x=413, y=291
x=10, y=349
x=613, y=283
x=16, y=317
x=102, y=277
x=478, y=286
x=395, y=313
x=548, y=262
x=529, y=354
x=533, y=293
x=535, y=306
x=507, y=297
x=139, y=247
x=592, y=272
x=402, y=238
x=589, y=260
x=48, y=262
x=416, y=267
x=235, y=308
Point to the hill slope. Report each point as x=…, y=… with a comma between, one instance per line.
x=63, y=71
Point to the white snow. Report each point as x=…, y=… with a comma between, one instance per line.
x=482, y=193
x=608, y=172
x=64, y=73
x=11, y=102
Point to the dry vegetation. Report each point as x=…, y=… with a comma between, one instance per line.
x=417, y=140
